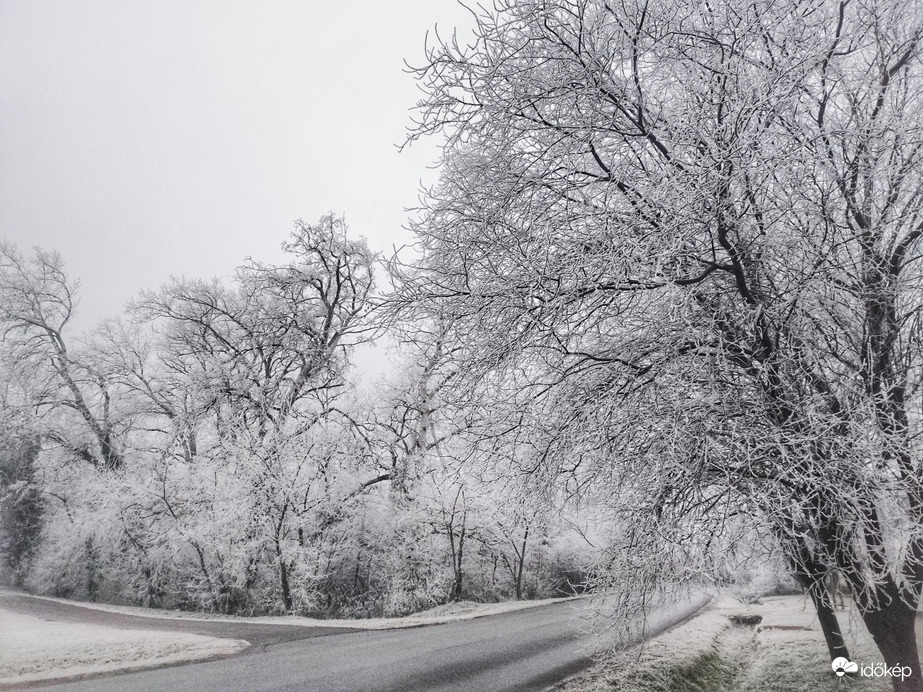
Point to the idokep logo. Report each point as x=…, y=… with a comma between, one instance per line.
x=841, y=666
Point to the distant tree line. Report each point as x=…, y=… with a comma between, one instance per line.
x=209, y=450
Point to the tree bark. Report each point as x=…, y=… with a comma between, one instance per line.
x=457, y=563
x=286, y=589
x=893, y=627
x=829, y=624
x=522, y=562
x=811, y=574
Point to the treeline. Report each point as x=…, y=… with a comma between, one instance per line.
x=212, y=450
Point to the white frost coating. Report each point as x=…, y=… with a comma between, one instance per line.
x=32, y=649
x=464, y=610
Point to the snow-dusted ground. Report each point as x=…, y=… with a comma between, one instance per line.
x=444, y=613
x=785, y=652
x=32, y=649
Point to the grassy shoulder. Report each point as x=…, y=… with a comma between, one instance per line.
x=784, y=652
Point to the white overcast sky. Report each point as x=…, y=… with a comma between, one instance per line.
x=149, y=138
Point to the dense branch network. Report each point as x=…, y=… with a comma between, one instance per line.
x=694, y=231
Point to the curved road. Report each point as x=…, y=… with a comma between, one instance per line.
x=255, y=633
x=522, y=650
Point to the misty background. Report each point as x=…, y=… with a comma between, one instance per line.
x=143, y=140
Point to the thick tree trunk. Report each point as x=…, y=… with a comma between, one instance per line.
x=112, y=460
x=811, y=575
x=829, y=624
x=893, y=629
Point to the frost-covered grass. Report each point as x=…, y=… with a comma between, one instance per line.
x=464, y=610
x=789, y=653
x=784, y=653
x=662, y=663
x=32, y=649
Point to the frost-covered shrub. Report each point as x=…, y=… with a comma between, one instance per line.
x=79, y=560
x=21, y=503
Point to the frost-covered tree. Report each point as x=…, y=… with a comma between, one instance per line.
x=37, y=302
x=229, y=406
x=693, y=229
x=257, y=367
x=274, y=340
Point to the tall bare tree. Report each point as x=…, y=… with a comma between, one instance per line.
x=263, y=363
x=702, y=221
x=37, y=302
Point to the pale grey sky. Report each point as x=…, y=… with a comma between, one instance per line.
x=147, y=138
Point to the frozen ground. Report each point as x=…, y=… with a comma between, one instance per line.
x=32, y=649
x=785, y=652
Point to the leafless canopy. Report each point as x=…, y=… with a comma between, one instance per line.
x=694, y=229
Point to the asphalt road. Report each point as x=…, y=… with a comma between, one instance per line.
x=523, y=650
x=258, y=635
